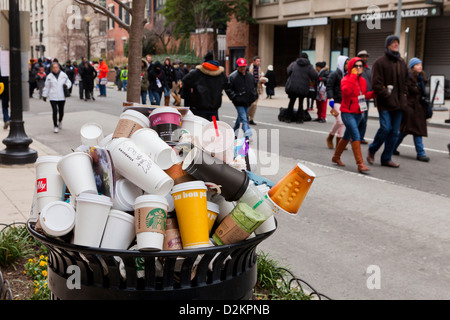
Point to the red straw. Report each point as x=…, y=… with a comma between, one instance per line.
x=215, y=125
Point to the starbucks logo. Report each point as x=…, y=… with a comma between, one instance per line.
x=156, y=219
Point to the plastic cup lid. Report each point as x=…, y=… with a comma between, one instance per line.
x=164, y=110
x=44, y=159
x=57, y=218
x=151, y=198
x=211, y=206
x=121, y=215
x=91, y=130
x=191, y=185
x=94, y=198
x=138, y=115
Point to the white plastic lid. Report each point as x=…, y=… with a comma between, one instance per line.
x=171, y=203
x=44, y=159
x=211, y=206
x=164, y=110
x=94, y=198
x=127, y=192
x=151, y=198
x=57, y=218
x=121, y=215
x=191, y=185
x=136, y=114
x=91, y=130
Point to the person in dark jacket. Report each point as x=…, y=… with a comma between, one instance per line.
x=205, y=85
x=241, y=89
x=70, y=71
x=300, y=73
x=157, y=82
x=414, y=117
x=170, y=76
x=88, y=76
x=272, y=83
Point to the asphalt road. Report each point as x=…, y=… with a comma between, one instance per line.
x=384, y=235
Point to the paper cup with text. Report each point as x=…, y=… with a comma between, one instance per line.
x=76, y=171
x=192, y=215
x=49, y=183
x=166, y=121
x=129, y=122
x=213, y=212
x=150, y=212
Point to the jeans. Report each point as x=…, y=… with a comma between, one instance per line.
x=5, y=104
x=102, y=89
x=388, y=134
x=124, y=84
x=167, y=92
x=152, y=97
x=363, y=123
x=242, y=118
x=351, y=122
x=418, y=143
x=144, y=97
x=157, y=96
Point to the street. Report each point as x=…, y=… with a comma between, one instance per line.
x=384, y=235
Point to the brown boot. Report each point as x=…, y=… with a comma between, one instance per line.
x=337, y=142
x=338, y=152
x=330, y=141
x=356, y=147
x=166, y=100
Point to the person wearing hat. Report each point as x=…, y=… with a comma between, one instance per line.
x=241, y=89
x=367, y=75
x=102, y=77
x=271, y=82
x=255, y=70
x=389, y=83
x=414, y=117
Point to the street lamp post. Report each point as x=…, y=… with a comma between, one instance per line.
x=88, y=20
x=17, y=142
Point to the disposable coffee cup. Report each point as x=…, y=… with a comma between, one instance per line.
x=150, y=143
x=126, y=194
x=105, y=140
x=225, y=207
x=172, y=238
x=266, y=226
x=193, y=124
x=150, y=213
x=213, y=211
x=76, y=171
x=166, y=121
x=204, y=167
x=49, y=183
x=91, y=134
x=134, y=165
x=390, y=88
x=178, y=174
x=219, y=143
x=91, y=216
x=191, y=209
x=57, y=219
x=257, y=201
x=129, y=122
x=119, y=231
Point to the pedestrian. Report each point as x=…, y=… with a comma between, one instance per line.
x=300, y=74
x=124, y=79
x=40, y=80
x=389, y=82
x=321, y=98
x=144, y=81
x=102, y=77
x=80, y=77
x=88, y=77
x=204, y=87
x=334, y=94
x=4, y=95
x=54, y=91
x=151, y=65
x=272, y=83
x=414, y=116
x=117, y=80
x=33, y=69
x=157, y=81
x=354, y=96
x=169, y=76
x=255, y=70
x=241, y=89
x=70, y=71
x=177, y=83
x=367, y=75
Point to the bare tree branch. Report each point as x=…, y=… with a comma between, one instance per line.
x=105, y=12
x=123, y=5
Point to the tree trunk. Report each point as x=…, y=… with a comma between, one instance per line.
x=135, y=51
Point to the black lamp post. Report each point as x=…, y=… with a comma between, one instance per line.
x=88, y=20
x=17, y=142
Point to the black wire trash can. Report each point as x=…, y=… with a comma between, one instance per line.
x=227, y=272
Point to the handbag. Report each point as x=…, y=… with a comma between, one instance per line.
x=103, y=81
x=66, y=91
x=426, y=104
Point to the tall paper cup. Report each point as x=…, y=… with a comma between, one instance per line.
x=119, y=231
x=222, y=146
x=178, y=174
x=150, y=213
x=193, y=124
x=129, y=122
x=49, y=183
x=288, y=193
x=76, y=171
x=159, y=151
x=126, y=194
x=213, y=212
x=166, y=122
x=191, y=208
x=91, y=215
x=57, y=219
x=133, y=164
x=91, y=134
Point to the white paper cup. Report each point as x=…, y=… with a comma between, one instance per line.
x=150, y=213
x=129, y=122
x=157, y=149
x=91, y=134
x=126, y=194
x=266, y=226
x=222, y=146
x=136, y=166
x=194, y=124
x=76, y=171
x=91, y=216
x=49, y=184
x=57, y=219
x=105, y=140
x=119, y=231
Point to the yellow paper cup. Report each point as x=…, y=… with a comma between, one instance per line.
x=213, y=211
x=191, y=209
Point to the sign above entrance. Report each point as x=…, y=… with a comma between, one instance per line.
x=307, y=22
x=406, y=13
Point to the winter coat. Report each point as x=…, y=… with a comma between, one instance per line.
x=53, y=89
x=145, y=83
x=414, y=116
x=88, y=76
x=241, y=89
x=272, y=83
x=334, y=80
x=300, y=73
x=205, y=88
x=352, y=86
x=390, y=70
x=157, y=74
x=103, y=70
x=40, y=79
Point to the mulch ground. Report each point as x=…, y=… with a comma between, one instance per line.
x=21, y=285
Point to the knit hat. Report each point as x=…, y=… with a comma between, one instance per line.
x=270, y=67
x=321, y=64
x=390, y=39
x=413, y=62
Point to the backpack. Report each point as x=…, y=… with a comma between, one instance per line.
x=321, y=92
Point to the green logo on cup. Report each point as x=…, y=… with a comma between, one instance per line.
x=156, y=219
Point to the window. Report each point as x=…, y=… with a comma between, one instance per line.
x=42, y=26
x=31, y=28
x=37, y=26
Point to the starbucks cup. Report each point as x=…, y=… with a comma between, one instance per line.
x=57, y=219
x=119, y=231
x=91, y=215
x=76, y=171
x=220, y=146
x=126, y=194
x=150, y=213
x=49, y=184
x=134, y=165
x=213, y=211
x=150, y=143
x=91, y=134
x=166, y=122
x=129, y=122
x=192, y=215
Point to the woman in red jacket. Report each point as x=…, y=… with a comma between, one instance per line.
x=354, y=96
